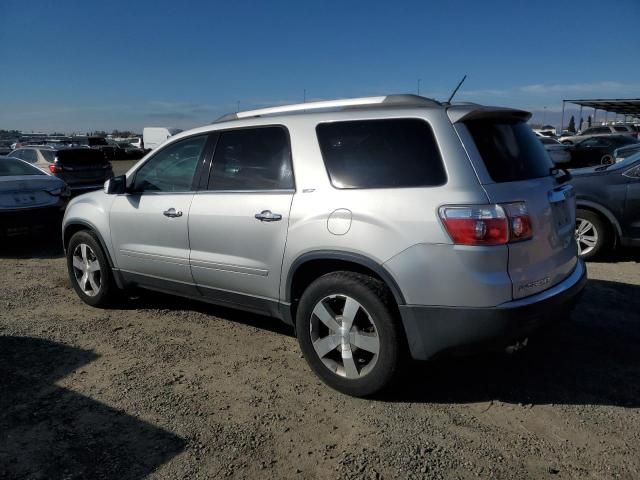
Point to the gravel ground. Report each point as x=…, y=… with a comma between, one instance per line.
x=169, y=388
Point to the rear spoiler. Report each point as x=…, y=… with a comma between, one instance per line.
x=467, y=112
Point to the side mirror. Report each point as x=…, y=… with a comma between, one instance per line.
x=116, y=185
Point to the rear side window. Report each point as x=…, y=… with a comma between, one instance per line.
x=252, y=159
x=393, y=153
x=510, y=150
x=29, y=155
x=621, y=129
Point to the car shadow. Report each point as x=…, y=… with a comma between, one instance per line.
x=47, y=431
x=621, y=254
x=593, y=358
x=43, y=243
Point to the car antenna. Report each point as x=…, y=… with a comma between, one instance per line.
x=456, y=90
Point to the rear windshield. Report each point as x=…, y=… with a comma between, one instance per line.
x=83, y=156
x=49, y=155
x=10, y=167
x=510, y=150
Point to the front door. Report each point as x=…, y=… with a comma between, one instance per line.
x=149, y=225
x=238, y=226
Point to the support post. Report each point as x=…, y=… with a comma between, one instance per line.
x=562, y=120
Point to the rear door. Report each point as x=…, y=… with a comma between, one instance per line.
x=513, y=167
x=632, y=203
x=238, y=223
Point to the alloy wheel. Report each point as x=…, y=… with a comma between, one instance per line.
x=86, y=269
x=344, y=336
x=586, y=236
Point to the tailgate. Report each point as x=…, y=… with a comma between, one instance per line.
x=513, y=166
x=551, y=255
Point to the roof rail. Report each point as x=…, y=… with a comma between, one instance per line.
x=399, y=100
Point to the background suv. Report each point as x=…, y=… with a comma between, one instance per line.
x=621, y=129
x=608, y=201
x=378, y=227
x=82, y=169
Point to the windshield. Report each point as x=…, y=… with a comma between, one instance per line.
x=12, y=167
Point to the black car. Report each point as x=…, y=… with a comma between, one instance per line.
x=597, y=150
x=110, y=152
x=608, y=206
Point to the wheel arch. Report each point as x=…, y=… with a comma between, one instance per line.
x=311, y=265
x=78, y=225
x=602, y=211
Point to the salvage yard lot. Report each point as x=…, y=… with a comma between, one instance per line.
x=179, y=389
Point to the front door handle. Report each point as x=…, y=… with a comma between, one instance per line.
x=268, y=216
x=171, y=213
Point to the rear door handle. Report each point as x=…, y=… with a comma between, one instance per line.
x=268, y=216
x=171, y=213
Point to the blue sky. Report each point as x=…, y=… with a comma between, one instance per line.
x=84, y=65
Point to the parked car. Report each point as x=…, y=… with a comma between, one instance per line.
x=377, y=227
x=153, y=137
x=128, y=151
x=559, y=153
x=29, y=198
x=606, y=130
x=83, y=169
x=608, y=203
x=619, y=154
x=597, y=150
x=101, y=144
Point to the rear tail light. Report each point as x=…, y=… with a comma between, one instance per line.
x=55, y=168
x=487, y=224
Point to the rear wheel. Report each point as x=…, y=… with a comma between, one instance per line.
x=89, y=270
x=607, y=160
x=591, y=233
x=348, y=334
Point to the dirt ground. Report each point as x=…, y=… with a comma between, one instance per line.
x=170, y=388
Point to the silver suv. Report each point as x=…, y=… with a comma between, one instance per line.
x=377, y=227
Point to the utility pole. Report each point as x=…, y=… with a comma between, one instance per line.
x=419, y=80
x=304, y=96
x=238, y=106
x=544, y=116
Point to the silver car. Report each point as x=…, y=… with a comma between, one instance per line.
x=378, y=227
x=29, y=199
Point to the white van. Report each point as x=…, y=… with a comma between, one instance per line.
x=153, y=137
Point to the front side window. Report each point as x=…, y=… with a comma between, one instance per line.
x=252, y=159
x=171, y=169
x=13, y=167
x=394, y=153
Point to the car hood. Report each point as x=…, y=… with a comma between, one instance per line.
x=29, y=182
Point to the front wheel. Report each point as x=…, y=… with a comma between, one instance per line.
x=348, y=333
x=89, y=270
x=591, y=234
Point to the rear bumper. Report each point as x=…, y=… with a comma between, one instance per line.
x=435, y=330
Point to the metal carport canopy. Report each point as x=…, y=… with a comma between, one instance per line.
x=619, y=106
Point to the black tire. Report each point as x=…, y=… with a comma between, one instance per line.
x=607, y=159
x=375, y=300
x=107, y=293
x=602, y=233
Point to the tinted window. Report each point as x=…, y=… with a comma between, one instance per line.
x=16, y=154
x=29, y=155
x=621, y=129
x=381, y=154
x=171, y=169
x=548, y=141
x=81, y=156
x=252, y=159
x=49, y=155
x=12, y=167
x=94, y=141
x=510, y=150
